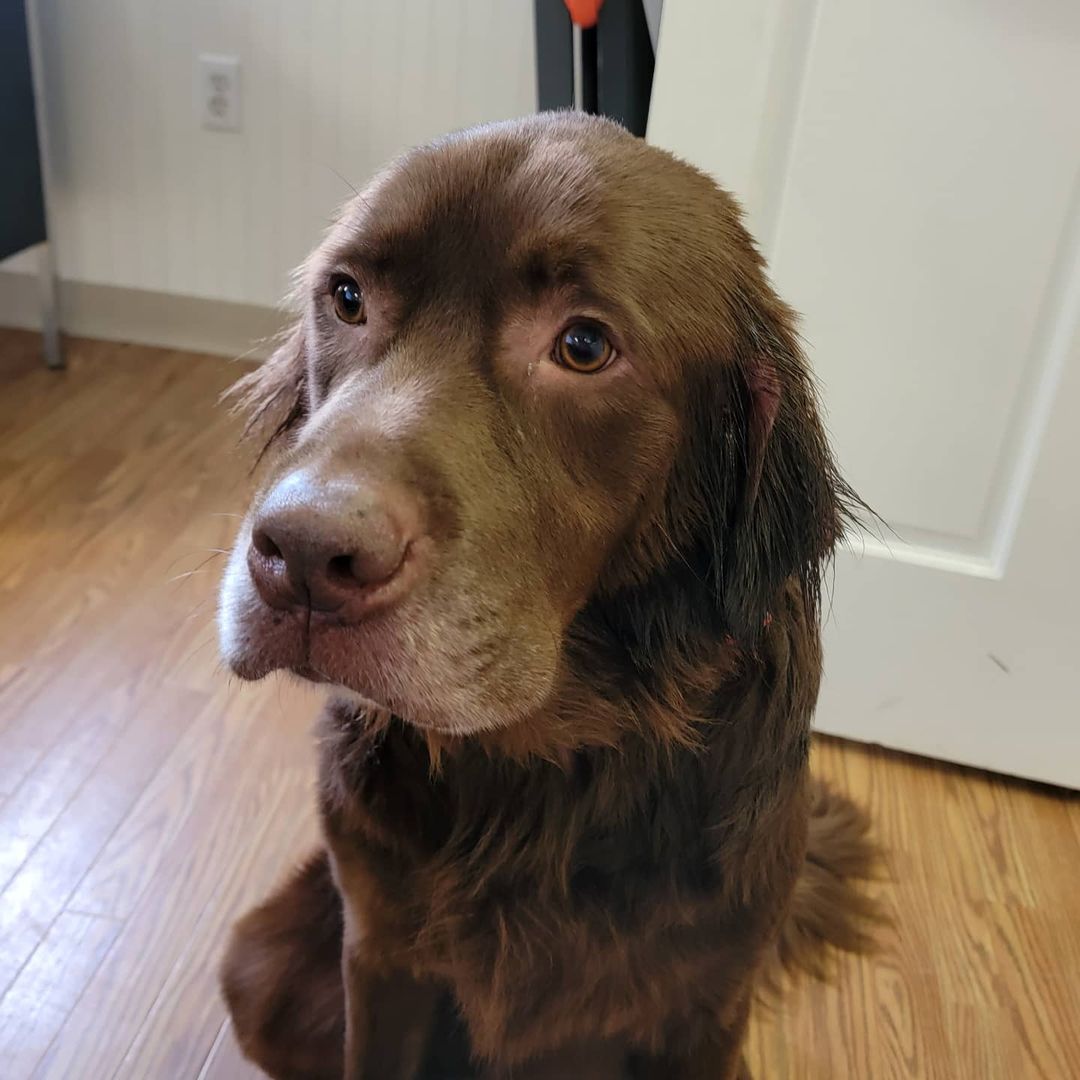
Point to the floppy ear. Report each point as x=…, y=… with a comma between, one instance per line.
x=274, y=397
x=756, y=499
x=775, y=505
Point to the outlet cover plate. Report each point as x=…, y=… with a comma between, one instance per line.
x=218, y=92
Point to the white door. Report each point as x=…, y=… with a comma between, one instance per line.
x=913, y=174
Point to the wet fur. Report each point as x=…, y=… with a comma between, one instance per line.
x=621, y=871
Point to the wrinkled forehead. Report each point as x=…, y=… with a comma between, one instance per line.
x=481, y=218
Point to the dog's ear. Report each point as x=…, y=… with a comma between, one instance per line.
x=774, y=503
x=274, y=397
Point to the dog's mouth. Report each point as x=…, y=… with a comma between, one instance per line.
x=348, y=661
x=437, y=661
x=327, y=653
x=257, y=638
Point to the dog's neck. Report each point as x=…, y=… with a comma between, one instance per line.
x=597, y=775
x=660, y=672
x=606, y=695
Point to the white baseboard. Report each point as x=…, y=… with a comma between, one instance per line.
x=143, y=318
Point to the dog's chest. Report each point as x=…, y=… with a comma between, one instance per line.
x=515, y=885
x=590, y=832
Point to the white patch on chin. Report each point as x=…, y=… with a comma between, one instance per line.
x=430, y=695
x=413, y=675
x=427, y=688
x=233, y=596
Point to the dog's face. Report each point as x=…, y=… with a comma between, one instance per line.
x=537, y=364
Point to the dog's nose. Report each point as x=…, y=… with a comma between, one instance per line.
x=334, y=545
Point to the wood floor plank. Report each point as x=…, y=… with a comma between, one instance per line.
x=50, y=785
x=48, y=987
x=43, y=884
x=189, y=1010
x=194, y=777
x=253, y=818
x=952, y=994
x=145, y=799
x=225, y=1061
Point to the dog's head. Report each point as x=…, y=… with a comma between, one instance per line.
x=538, y=370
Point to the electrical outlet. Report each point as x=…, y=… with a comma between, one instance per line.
x=218, y=100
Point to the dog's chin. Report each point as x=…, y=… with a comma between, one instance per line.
x=360, y=699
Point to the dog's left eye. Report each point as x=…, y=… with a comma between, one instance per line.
x=583, y=347
x=348, y=301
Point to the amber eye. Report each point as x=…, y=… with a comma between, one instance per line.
x=583, y=347
x=348, y=301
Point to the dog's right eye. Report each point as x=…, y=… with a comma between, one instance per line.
x=583, y=347
x=348, y=301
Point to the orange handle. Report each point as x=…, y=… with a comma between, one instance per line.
x=584, y=13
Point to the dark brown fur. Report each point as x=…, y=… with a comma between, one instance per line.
x=596, y=877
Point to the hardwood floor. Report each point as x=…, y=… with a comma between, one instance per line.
x=146, y=799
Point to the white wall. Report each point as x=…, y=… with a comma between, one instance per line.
x=144, y=198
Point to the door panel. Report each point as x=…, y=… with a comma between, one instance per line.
x=930, y=179
x=912, y=172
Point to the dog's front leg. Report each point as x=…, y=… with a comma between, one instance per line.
x=388, y=1019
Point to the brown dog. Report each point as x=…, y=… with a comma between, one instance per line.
x=548, y=507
